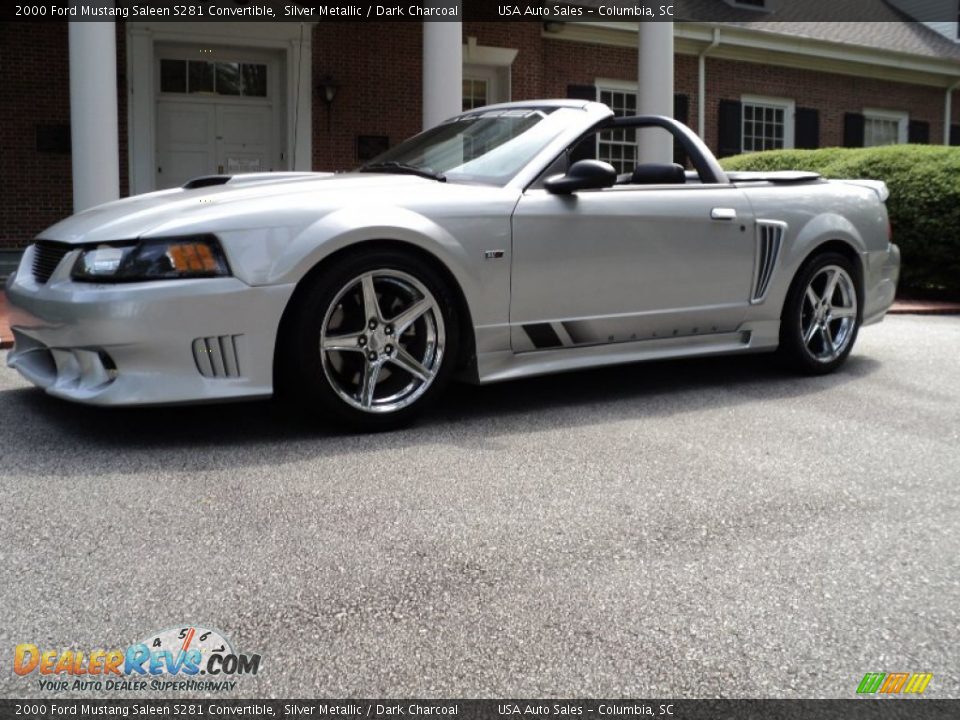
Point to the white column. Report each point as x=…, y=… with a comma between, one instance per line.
x=93, y=113
x=948, y=112
x=300, y=121
x=141, y=110
x=442, y=71
x=655, y=87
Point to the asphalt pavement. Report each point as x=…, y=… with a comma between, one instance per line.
x=705, y=528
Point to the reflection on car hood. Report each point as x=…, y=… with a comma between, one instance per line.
x=274, y=197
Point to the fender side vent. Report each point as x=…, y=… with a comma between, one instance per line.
x=219, y=356
x=206, y=181
x=769, y=241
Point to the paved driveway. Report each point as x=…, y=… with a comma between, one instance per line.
x=697, y=528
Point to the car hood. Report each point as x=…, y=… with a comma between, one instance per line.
x=262, y=199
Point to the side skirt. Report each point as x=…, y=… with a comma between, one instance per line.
x=505, y=365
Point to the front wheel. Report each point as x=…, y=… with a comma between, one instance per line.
x=821, y=316
x=371, y=342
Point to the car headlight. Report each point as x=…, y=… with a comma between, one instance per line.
x=193, y=256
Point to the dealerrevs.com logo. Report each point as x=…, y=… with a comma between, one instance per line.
x=189, y=658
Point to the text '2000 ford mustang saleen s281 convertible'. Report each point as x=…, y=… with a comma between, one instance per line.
x=490, y=247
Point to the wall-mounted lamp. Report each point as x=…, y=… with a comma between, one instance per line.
x=327, y=90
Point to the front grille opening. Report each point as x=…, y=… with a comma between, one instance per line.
x=47, y=256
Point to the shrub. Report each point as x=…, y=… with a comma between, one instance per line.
x=924, y=204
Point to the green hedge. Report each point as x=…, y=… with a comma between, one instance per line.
x=924, y=204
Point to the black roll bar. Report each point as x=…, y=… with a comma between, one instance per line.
x=703, y=160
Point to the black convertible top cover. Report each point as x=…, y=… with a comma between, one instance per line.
x=773, y=176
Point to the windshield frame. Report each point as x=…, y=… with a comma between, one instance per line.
x=574, y=117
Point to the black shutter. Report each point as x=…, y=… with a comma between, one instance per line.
x=582, y=92
x=853, y=130
x=730, y=128
x=53, y=139
x=918, y=132
x=955, y=134
x=806, y=129
x=681, y=108
x=681, y=112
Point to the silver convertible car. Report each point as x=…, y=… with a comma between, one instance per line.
x=491, y=247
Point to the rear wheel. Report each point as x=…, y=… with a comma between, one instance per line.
x=371, y=342
x=821, y=316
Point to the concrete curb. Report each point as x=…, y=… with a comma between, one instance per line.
x=924, y=308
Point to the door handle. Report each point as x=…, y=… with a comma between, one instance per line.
x=723, y=214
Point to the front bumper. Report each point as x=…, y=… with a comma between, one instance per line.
x=168, y=341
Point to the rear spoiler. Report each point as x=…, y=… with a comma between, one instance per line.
x=800, y=176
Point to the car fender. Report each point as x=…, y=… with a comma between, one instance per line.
x=354, y=225
x=801, y=244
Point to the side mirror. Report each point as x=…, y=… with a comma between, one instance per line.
x=583, y=175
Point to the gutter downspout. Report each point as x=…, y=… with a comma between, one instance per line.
x=702, y=85
x=948, y=112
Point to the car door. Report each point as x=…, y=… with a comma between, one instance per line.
x=629, y=263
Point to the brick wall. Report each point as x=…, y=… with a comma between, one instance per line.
x=833, y=95
x=378, y=69
x=544, y=67
x=36, y=187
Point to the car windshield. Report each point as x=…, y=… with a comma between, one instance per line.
x=488, y=147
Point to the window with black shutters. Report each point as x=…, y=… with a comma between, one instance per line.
x=767, y=123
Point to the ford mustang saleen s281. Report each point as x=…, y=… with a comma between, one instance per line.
x=490, y=247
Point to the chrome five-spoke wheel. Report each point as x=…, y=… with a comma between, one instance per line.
x=828, y=313
x=382, y=341
x=821, y=314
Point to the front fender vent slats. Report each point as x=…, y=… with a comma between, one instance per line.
x=47, y=256
x=769, y=241
x=218, y=356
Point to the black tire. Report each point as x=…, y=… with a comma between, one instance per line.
x=800, y=316
x=320, y=383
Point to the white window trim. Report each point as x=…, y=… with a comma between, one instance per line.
x=902, y=118
x=485, y=75
x=494, y=64
x=474, y=54
x=789, y=107
x=620, y=86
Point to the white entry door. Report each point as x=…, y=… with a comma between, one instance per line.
x=207, y=138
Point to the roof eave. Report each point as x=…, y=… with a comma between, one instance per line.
x=768, y=47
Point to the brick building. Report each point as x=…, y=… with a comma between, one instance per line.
x=201, y=98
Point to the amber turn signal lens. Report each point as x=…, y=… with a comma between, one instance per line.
x=192, y=257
